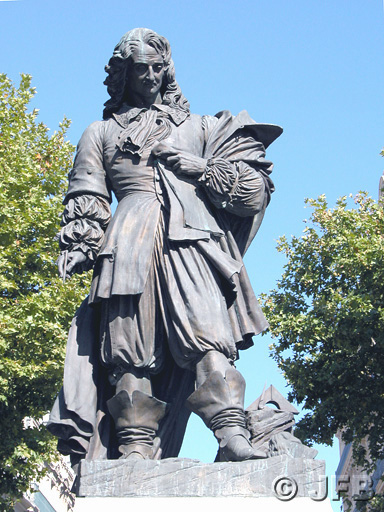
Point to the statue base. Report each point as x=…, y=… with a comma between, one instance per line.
x=281, y=477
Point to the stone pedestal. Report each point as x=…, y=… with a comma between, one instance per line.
x=281, y=476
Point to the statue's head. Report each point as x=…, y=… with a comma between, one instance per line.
x=120, y=69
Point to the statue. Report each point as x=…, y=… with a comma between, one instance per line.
x=170, y=304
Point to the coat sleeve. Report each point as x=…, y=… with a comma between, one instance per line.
x=237, y=176
x=88, y=175
x=87, y=210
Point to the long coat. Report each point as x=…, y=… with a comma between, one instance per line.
x=217, y=215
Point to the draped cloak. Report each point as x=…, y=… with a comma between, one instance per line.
x=199, y=212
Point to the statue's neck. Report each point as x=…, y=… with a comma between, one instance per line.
x=136, y=100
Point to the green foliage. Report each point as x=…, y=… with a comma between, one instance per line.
x=376, y=504
x=327, y=320
x=35, y=307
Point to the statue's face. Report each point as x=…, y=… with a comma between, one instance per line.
x=146, y=74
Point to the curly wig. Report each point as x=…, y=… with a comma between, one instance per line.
x=119, y=65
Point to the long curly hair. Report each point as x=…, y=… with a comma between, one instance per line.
x=118, y=68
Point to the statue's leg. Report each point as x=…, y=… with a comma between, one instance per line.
x=134, y=379
x=219, y=401
x=212, y=361
x=136, y=414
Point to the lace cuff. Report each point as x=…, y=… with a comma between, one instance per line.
x=87, y=206
x=220, y=179
x=238, y=187
x=84, y=221
x=82, y=235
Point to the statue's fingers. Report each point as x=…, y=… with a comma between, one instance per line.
x=172, y=160
x=70, y=266
x=164, y=152
x=160, y=146
x=176, y=167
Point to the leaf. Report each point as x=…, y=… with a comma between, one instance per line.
x=323, y=314
x=35, y=307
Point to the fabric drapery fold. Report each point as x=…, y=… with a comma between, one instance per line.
x=149, y=127
x=84, y=222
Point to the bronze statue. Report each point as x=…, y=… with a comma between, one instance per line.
x=170, y=304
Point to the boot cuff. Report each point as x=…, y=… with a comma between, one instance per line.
x=228, y=418
x=218, y=394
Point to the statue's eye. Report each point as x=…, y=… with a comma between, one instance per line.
x=157, y=68
x=141, y=68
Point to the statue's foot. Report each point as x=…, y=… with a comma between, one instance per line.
x=238, y=449
x=135, y=451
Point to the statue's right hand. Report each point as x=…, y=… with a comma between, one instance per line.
x=163, y=149
x=74, y=259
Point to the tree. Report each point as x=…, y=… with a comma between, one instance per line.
x=35, y=306
x=326, y=316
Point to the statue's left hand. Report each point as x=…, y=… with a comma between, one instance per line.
x=180, y=162
x=74, y=261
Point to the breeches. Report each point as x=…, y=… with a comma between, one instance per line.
x=182, y=308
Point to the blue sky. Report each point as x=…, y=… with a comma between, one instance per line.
x=313, y=67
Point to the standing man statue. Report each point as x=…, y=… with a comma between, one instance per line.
x=170, y=304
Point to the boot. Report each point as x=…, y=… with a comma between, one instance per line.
x=136, y=422
x=220, y=404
